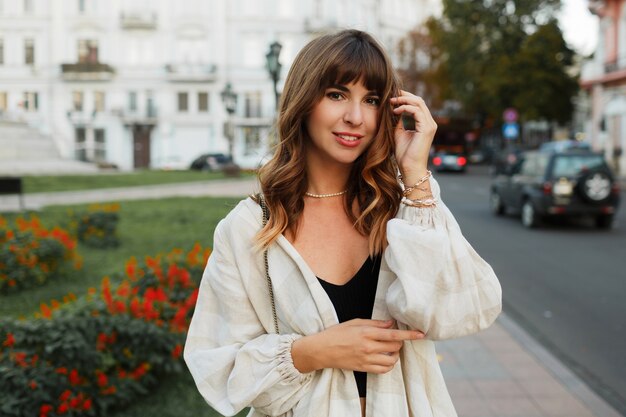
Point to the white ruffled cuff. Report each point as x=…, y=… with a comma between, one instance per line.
x=288, y=372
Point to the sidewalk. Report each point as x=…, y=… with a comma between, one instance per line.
x=501, y=372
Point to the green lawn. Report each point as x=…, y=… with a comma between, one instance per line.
x=146, y=228
x=47, y=183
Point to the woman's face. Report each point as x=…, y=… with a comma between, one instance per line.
x=342, y=124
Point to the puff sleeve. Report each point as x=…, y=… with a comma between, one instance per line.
x=235, y=363
x=443, y=287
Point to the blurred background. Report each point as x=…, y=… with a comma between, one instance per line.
x=167, y=107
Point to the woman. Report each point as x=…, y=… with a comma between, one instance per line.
x=366, y=270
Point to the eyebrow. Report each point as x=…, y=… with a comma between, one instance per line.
x=345, y=89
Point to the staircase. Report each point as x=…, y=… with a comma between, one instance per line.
x=25, y=151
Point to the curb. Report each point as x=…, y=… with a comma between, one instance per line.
x=564, y=375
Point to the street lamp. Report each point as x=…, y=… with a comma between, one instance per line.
x=229, y=98
x=274, y=66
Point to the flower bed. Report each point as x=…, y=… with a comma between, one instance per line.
x=88, y=355
x=31, y=254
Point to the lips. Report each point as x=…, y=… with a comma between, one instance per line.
x=348, y=139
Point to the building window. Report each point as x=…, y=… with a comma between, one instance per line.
x=252, y=137
x=100, y=145
x=132, y=100
x=253, y=104
x=77, y=100
x=31, y=101
x=29, y=7
x=88, y=51
x=183, y=101
x=98, y=101
x=80, y=138
x=151, y=108
x=1, y=51
x=81, y=6
x=29, y=51
x=203, y=102
x=3, y=102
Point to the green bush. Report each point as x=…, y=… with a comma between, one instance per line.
x=30, y=254
x=98, y=226
x=90, y=355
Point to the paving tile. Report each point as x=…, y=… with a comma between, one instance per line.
x=462, y=388
x=543, y=388
x=472, y=407
x=499, y=389
x=514, y=407
x=563, y=406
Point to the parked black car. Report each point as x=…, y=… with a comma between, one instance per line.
x=211, y=162
x=570, y=183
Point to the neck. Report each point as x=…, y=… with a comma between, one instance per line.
x=327, y=178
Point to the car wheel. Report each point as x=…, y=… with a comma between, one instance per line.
x=495, y=200
x=595, y=187
x=604, y=221
x=530, y=218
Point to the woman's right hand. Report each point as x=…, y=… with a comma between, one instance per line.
x=356, y=345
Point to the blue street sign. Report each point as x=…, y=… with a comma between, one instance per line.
x=510, y=130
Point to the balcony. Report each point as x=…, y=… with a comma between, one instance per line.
x=87, y=71
x=138, y=20
x=614, y=65
x=191, y=72
x=145, y=117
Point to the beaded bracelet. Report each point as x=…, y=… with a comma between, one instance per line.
x=408, y=190
x=425, y=202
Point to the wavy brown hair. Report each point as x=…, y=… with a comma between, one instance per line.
x=337, y=58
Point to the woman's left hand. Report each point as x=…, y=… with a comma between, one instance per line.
x=413, y=146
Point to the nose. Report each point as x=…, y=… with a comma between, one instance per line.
x=353, y=114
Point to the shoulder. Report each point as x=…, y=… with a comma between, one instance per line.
x=244, y=220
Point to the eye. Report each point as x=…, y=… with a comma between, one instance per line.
x=374, y=101
x=334, y=95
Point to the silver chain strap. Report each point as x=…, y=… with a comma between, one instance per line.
x=266, y=216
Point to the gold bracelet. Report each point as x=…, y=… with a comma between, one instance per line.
x=408, y=190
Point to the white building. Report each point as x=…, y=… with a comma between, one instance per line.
x=137, y=83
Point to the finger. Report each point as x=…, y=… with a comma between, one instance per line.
x=394, y=335
x=388, y=347
x=384, y=324
x=379, y=369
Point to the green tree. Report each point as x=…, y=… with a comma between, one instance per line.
x=494, y=54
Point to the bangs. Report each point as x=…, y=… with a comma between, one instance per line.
x=358, y=60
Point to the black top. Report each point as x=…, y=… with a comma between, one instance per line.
x=355, y=300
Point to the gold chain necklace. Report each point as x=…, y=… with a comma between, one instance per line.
x=325, y=195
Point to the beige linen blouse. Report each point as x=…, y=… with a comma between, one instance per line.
x=431, y=279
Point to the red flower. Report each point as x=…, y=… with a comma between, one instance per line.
x=45, y=311
x=101, y=342
x=45, y=409
x=87, y=404
x=63, y=408
x=9, y=341
x=65, y=395
x=74, y=377
x=75, y=402
x=20, y=359
x=131, y=267
x=32, y=384
x=102, y=380
x=178, y=349
x=109, y=390
x=62, y=371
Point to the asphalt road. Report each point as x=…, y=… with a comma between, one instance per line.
x=565, y=283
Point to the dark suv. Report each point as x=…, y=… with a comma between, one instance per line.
x=568, y=183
